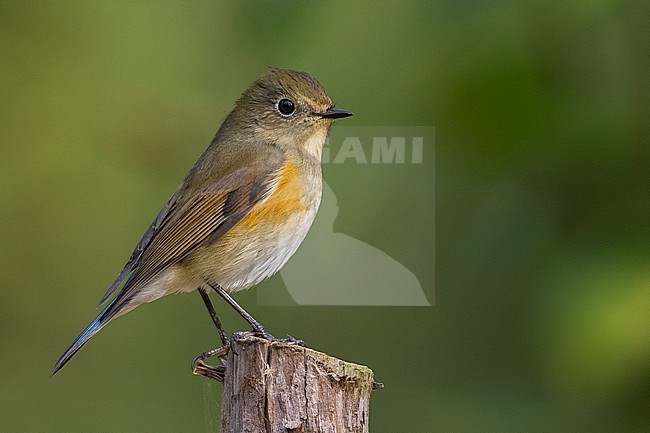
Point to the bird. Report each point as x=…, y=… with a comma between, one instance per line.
x=242, y=210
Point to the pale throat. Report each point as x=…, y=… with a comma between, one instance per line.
x=314, y=143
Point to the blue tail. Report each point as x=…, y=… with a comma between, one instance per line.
x=102, y=319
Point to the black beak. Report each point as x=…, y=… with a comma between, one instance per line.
x=334, y=113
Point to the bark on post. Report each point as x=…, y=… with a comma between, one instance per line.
x=279, y=387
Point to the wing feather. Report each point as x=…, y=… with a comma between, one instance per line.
x=202, y=220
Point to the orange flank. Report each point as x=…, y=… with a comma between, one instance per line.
x=286, y=199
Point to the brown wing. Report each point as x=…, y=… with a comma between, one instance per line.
x=205, y=218
x=209, y=213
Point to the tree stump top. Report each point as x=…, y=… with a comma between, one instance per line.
x=280, y=387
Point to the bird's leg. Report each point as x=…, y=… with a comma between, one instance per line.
x=258, y=329
x=213, y=315
x=199, y=367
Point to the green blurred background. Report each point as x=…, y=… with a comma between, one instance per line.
x=542, y=286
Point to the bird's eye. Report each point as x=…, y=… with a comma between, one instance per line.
x=286, y=107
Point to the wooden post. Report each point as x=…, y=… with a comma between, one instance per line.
x=280, y=387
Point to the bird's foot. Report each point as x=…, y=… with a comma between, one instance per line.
x=291, y=340
x=216, y=372
x=263, y=333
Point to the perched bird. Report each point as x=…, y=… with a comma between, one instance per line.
x=242, y=210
